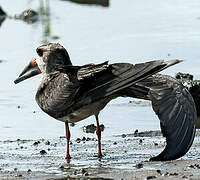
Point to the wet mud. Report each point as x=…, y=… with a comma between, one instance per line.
x=126, y=156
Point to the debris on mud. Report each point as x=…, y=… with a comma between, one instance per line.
x=142, y=134
x=29, y=16
x=185, y=76
x=92, y=128
x=43, y=152
x=47, y=142
x=139, y=165
x=151, y=177
x=36, y=143
x=128, y=155
x=72, y=124
x=147, y=133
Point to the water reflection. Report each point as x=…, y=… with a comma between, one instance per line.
x=43, y=16
x=45, y=13
x=104, y=3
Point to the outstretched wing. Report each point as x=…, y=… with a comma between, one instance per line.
x=176, y=110
x=117, y=77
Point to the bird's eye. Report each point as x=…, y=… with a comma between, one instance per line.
x=39, y=52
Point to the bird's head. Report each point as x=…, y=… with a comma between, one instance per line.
x=49, y=57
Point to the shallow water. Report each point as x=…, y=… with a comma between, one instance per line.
x=125, y=31
x=134, y=31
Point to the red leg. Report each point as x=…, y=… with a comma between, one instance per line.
x=98, y=131
x=68, y=139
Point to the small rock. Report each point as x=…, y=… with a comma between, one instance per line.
x=43, y=152
x=34, y=111
x=156, y=144
x=191, y=166
x=19, y=175
x=197, y=165
x=62, y=167
x=83, y=139
x=123, y=135
x=139, y=165
x=115, y=143
x=36, y=143
x=86, y=174
x=102, y=127
x=184, y=76
x=91, y=128
x=136, y=132
x=18, y=107
x=88, y=139
x=29, y=171
x=166, y=174
x=72, y=124
x=78, y=140
x=151, y=177
x=173, y=174
x=15, y=169
x=47, y=143
x=140, y=141
x=158, y=171
x=83, y=171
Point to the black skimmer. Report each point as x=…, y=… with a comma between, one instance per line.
x=193, y=87
x=72, y=93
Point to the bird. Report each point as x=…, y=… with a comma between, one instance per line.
x=71, y=93
x=193, y=86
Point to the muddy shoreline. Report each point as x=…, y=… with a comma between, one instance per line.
x=125, y=157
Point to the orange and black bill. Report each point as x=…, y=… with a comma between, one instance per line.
x=30, y=70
